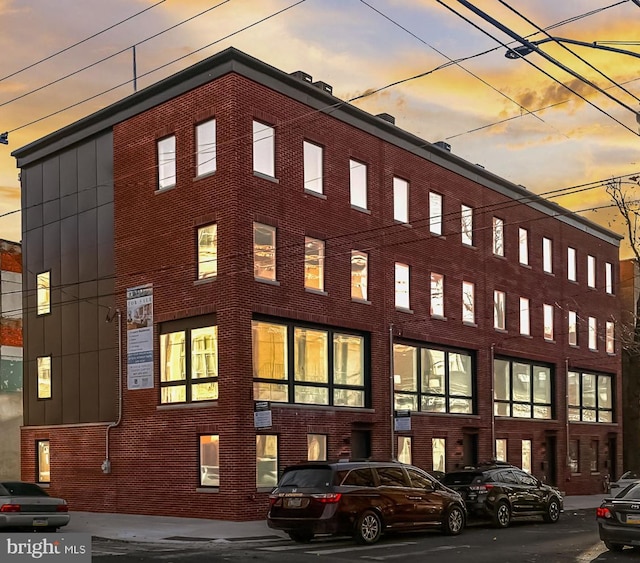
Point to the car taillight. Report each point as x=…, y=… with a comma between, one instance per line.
x=10, y=508
x=603, y=512
x=273, y=499
x=327, y=498
x=62, y=507
x=481, y=488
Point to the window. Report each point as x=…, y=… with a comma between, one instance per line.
x=358, y=184
x=572, y=263
x=522, y=389
x=264, y=252
x=574, y=456
x=498, y=236
x=359, y=275
x=437, y=295
x=206, y=147
x=610, y=337
x=313, y=164
x=590, y=397
x=392, y=477
x=548, y=321
x=432, y=379
x=525, y=324
x=402, y=286
x=438, y=454
x=263, y=149
x=466, y=226
x=608, y=278
x=210, y=460
x=404, y=449
x=401, y=200
x=313, y=264
x=593, y=333
x=208, y=252
x=501, y=449
x=547, y=255
x=526, y=455
x=316, y=447
x=44, y=377
x=435, y=213
x=499, y=304
x=523, y=246
x=166, y=162
x=468, y=307
x=591, y=271
x=595, y=447
x=328, y=366
x=43, y=460
x=189, y=360
x=573, y=328
x=43, y=292
x=266, y=460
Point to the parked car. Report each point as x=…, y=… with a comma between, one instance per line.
x=28, y=506
x=619, y=519
x=627, y=478
x=500, y=491
x=362, y=500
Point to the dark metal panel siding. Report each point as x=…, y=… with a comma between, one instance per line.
x=51, y=191
x=69, y=247
x=88, y=246
x=104, y=170
x=53, y=406
x=70, y=386
x=68, y=173
x=32, y=211
x=89, y=387
x=90, y=315
x=70, y=318
x=105, y=240
x=87, y=177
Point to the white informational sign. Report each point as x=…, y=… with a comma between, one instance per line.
x=140, y=337
x=262, y=415
x=402, y=421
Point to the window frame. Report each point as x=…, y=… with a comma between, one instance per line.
x=468, y=303
x=265, y=151
x=608, y=276
x=499, y=310
x=498, y=236
x=314, y=261
x=204, y=472
x=525, y=315
x=466, y=225
x=610, y=342
x=43, y=467
x=572, y=264
x=42, y=376
x=436, y=302
x=167, y=168
x=359, y=276
x=402, y=297
x=526, y=453
x=272, y=461
x=212, y=272
x=439, y=447
x=523, y=246
x=591, y=271
x=586, y=406
x=322, y=441
x=548, y=322
x=435, y=213
x=358, y=187
x=547, y=255
x=592, y=324
x=572, y=335
x=43, y=293
x=205, y=163
x=271, y=264
x=313, y=164
x=400, y=200
x=404, y=450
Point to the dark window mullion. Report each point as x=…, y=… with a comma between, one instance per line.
x=187, y=363
x=331, y=365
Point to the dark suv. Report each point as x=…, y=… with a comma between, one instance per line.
x=500, y=491
x=362, y=500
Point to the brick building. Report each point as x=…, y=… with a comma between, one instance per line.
x=283, y=273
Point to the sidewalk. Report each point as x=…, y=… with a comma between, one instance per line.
x=131, y=527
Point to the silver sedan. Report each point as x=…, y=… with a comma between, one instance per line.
x=26, y=505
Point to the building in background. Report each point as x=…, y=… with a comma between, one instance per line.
x=10, y=358
x=287, y=277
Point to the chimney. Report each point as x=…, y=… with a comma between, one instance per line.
x=443, y=145
x=300, y=75
x=324, y=86
x=387, y=117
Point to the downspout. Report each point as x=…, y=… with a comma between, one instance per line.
x=493, y=406
x=566, y=403
x=392, y=390
x=106, y=464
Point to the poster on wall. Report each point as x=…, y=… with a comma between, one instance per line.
x=140, y=337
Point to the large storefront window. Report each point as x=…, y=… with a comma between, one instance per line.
x=522, y=390
x=590, y=397
x=328, y=366
x=432, y=380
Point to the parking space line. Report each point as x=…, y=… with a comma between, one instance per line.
x=410, y=553
x=359, y=548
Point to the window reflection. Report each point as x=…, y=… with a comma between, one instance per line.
x=359, y=275
x=264, y=251
x=207, y=251
x=43, y=285
x=209, y=461
x=206, y=147
x=44, y=377
x=266, y=460
x=522, y=390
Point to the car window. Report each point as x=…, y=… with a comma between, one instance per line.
x=418, y=480
x=461, y=478
x=391, y=477
x=631, y=475
x=631, y=492
x=24, y=489
x=526, y=479
x=309, y=477
x=507, y=476
x=358, y=478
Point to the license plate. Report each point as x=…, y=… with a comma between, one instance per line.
x=40, y=522
x=633, y=519
x=293, y=502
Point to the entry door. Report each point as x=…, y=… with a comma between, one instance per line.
x=360, y=444
x=552, y=468
x=611, y=461
x=470, y=450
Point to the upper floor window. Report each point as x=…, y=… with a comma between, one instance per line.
x=43, y=449
x=572, y=264
x=328, y=366
x=523, y=246
x=316, y=447
x=547, y=255
x=402, y=286
x=591, y=271
x=210, y=460
x=468, y=302
x=43, y=293
x=435, y=213
x=437, y=295
x=400, y=200
x=499, y=309
x=522, y=389
x=189, y=360
x=208, y=251
x=610, y=337
x=608, y=278
x=264, y=149
x=525, y=322
x=206, y=147
x=358, y=184
x=548, y=321
x=593, y=333
x=573, y=328
x=590, y=397
x=264, y=252
x=44, y=377
x=466, y=224
x=313, y=263
x=313, y=167
x=359, y=275
x=498, y=236
x=167, y=162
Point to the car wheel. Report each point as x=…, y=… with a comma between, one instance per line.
x=613, y=546
x=552, y=515
x=301, y=536
x=368, y=528
x=502, y=515
x=454, y=521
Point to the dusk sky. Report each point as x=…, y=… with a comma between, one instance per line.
x=506, y=115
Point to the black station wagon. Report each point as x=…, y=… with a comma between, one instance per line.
x=362, y=500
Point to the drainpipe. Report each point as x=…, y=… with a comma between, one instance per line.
x=493, y=406
x=391, y=389
x=566, y=403
x=106, y=464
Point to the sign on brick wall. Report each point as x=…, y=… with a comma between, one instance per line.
x=140, y=337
